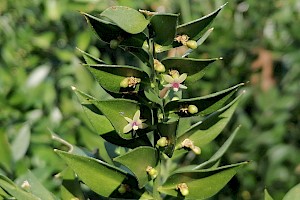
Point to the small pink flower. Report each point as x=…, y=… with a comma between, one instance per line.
x=135, y=123
x=175, y=81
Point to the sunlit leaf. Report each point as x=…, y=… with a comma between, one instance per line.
x=121, y=15
x=293, y=194
x=20, y=144
x=150, y=158
x=202, y=184
x=91, y=171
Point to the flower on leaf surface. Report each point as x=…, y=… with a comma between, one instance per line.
x=175, y=81
x=135, y=123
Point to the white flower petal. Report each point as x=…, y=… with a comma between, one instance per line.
x=181, y=78
x=168, y=85
x=168, y=78
x=136, y=116
x=135, y=127
x=127, y=128
x=128, y=119
x=182, y=86
x=175, y=89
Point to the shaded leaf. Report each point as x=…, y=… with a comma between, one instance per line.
x=150, y=158
x=70, y=187
x=11, y=188
x=168, y=130
x=91, y=171
x=164, y=26
x=201, y=184
x=121, y=15
x=195, y=68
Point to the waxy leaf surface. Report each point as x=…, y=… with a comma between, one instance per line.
x=101, y=177
x=148, y=157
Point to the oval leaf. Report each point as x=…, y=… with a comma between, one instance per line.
x=110, y=77
x=116, y=109
x=150, y=158
x=201, y=184
x=121, y=15
x=108, y=31
x=92, y=171
x=195, y=68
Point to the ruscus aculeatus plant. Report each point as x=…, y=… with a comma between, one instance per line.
x=147, y=120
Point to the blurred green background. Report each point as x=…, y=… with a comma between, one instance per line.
x=259, y=41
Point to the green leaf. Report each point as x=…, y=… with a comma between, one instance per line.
x=206, y=104
x=168, y=130
x=164, y=26
x=20, y=144
x=267, y=195
x=194, y=28
x=110, y=77
x=99, y=122
x=91, y=171
x=37, y=188
x=115, y=110
x=153, y=96
x=205, y=131
x=201, y=184
x=103, y=126
x=70, y=187
x=121, y=15
x=220, y=152
x=149, y=156
x=141, y=54
x=195, y=68
x=6, y=159
x=293, y=194
x=11, y=188
x=108, y=31
x=90, y=59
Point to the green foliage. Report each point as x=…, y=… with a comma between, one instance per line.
x=38, y=40
x=151, y=115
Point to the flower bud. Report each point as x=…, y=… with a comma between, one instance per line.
x=192, y=44
x=162, y=142
x=152, y=172
x=183, y=188
x=196, y=150
x=158, y=66
x=192, y=109
x=123, y=188
x=114, y=44
x=124, y=83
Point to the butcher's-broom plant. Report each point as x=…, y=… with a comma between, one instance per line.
x=147, y=120
x=152, y=134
